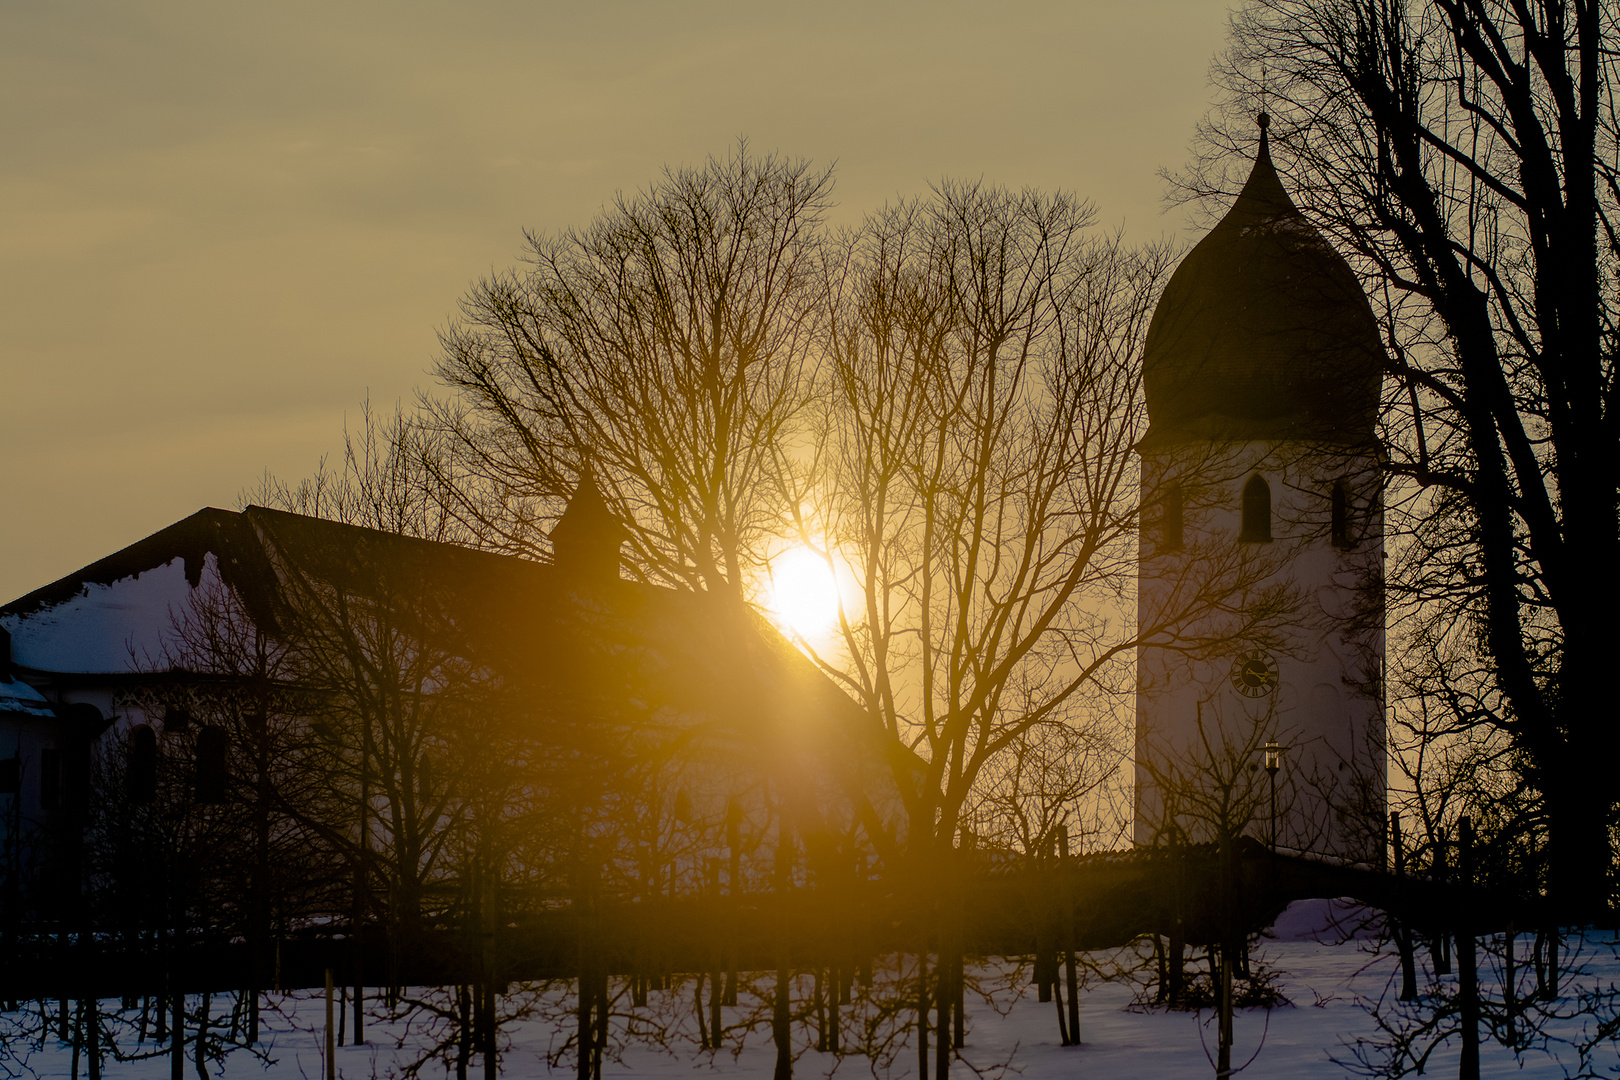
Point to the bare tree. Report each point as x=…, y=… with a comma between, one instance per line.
x=666, y=346
x=383, y=482
x=980, y=488
x=983, y=492
x=1465, y=152
x=1213, y=791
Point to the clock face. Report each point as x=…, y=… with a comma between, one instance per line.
x=1254, y=674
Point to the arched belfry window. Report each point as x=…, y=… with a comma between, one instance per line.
x=1256, y=510
x=143, y=764
x=1170, y=525
x=1340, y=517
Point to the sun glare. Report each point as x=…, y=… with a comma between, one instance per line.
x=804, y=594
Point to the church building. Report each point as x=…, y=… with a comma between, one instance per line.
x=1260, y=704
x=235, y=654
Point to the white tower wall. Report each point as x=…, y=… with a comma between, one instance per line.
x=1310, y=602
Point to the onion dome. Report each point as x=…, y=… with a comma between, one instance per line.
x=1263, y=332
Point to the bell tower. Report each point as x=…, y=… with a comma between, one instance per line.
x=1261, y=554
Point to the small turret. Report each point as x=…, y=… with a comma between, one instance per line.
x=586, y=540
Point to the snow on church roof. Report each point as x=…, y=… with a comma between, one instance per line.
x=17, y=696
x=112, y=616
x=114, y=627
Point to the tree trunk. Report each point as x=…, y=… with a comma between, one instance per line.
x=1401, y=932
x=1510, y=995
x=259, y=903
x=359, y=999
x=922, y=1006
x=464, y=1029
x=1178, y=931
x=1066, y=934
x=1062, y=1018
x=945, y=965
x=76, y=1035
x=585, y=1030
x=1403, y=944
x=331, y=1032
x=201, y=1062
x=734, y=898
x=959, y=995
x=1550, y=988
x=781, y=1033
x=1467, y=977
x=492, y=1058
x=717, y=962
x=1223, y=1059
x=92, y=1039
x=357, y=956
x=1227, y=953
x=601, y=1039
x=177, y=1034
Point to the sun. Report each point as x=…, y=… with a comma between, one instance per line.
x=803, y=591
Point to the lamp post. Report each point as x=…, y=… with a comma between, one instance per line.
x=1273, y=763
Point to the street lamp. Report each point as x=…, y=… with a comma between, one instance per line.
x=1273, y=763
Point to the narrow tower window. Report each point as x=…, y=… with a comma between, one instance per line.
x=1170, y=534
x=1256, y=511
x=1341, y=515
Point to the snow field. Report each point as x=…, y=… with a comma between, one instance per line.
x=1012, y=1034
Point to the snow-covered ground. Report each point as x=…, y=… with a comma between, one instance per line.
x=1330, y=987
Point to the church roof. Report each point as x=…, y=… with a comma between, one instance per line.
x=1263, y=332
x=641, y=649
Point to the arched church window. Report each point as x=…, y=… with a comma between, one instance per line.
x=50, y=778
x=1340, y=502
x=213, y=748
x=1256, y=510
x=143, y=764
x=1170, y=526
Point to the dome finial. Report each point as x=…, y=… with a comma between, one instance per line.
x=1264, y=120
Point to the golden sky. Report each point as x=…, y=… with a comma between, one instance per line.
x=223, y=224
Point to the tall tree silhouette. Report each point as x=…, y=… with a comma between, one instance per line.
x=665, y=345
x=1465, y=152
